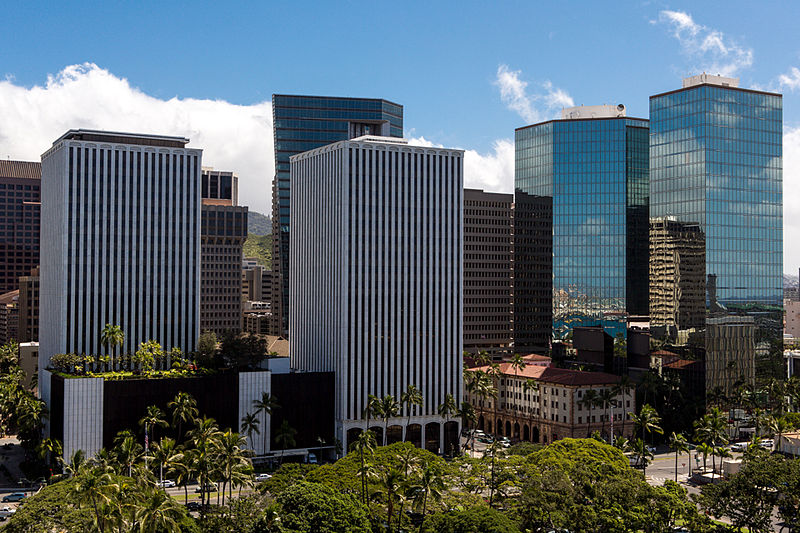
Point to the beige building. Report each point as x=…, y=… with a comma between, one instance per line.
x=488, y=265
x=9, y=316
x=29, y=361
x=792, y=325
x=542, y=404
x=29, y=307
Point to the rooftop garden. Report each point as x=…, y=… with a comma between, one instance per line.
x=153, y=361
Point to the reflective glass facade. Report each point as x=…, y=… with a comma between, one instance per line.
x=716, y=166
x=590, y=177
x=302, y=123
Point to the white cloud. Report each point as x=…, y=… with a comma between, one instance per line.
x=533, y=107
x=791, y=199
x=712, y=51
x=791, y=80
x=492, y=171
x=233, y=137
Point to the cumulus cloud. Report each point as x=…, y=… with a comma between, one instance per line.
x=534, y=106
x=791, y=80
x=492, y=171
x=233, y=137
x=712, y=51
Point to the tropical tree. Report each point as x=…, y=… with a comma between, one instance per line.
x=284, y=437
x=364, y=445
x=647, y=421
x=158, y=512
x=705, y=450
x=202, y=438
x=607, y=398
x=371, y=410
x=391, y=480
x=96, y=488
x=184, y=410
x=641, y=452
x=233, y=458
x=267, y=404
x=447, y=409
x=165, y=454
x=127, y=451
x=590, y=400
x=428, y=486
x=250, y=424
x=388, y=409
x=410, y=398
x=467, y=415
x=154, y=418
x=111, y=337
x=777, y=426
x=678, y=444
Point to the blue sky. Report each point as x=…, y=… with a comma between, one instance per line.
x=467, y=73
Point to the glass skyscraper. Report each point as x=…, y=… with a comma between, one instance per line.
x=584, y=180
x=716, y=200
x=302, y=123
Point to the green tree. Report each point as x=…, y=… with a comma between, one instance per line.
x=647, y=421
x=207, y=349
x=315, y=507
x=232, y=459
x=111, y=337
x=250, y=425
x=472, y=519
x=428, y=486
x=409, y=399
x=147, y=354
x=388, y=408
x=165, y=454
x=184, y=410
x=267, y=404
x=284, y=437
x=152, y=419
x=158, y=512
x=447, y=409
x=467, y=415
x=590, y=400
x=364, y=446
x=678, y=444
x=95, y=488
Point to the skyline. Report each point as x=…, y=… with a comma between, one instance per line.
x=216, y=88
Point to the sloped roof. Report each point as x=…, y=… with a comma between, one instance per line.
x=20, y=169
x=560, y=376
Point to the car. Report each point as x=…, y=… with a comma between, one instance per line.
x=166, y=484
x=766, y=443
x=311, y=459
x=739, y=447
x=193, y=506
x=209, y=487
x=651, y=449
x=14, y=497
x=263, y=477
x=6, y=512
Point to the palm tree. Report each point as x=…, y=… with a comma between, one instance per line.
x=391, y=479
x=590, y=401
x=678, y=444
x=712, y=429
x=642, y=453
x=96, y=488
x=154, y=418
x=777, y=427
x=365, y=444
x=429, y=485
x=127, y=452
x=202, y=438
x=623, y=387
x=648, y=421
x=158, y=512
x=165, y=454
x=467, y=414
x=530, y=386
x=606, y=398
x=705, y=450
x=448, y=408
x=411, y=397
x=284, y=437
x=267, y=404
x=371, y=409
x=111, y=337
x=185, y=470
x=231, y=456
x=388, y=408
x=184, y=410
x=250, y=423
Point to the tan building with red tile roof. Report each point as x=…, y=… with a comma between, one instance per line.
x=542, y=404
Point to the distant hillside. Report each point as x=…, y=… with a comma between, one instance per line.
x=258, y=224
x=259, y=246
x=789, y=281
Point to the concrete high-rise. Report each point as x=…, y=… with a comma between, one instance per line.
x=302, y=123
x=377, y=277
x=223, y=231
x=581, y=195
x=20, y=204
x=716, y=165
x=488, y=264
x=121, y=226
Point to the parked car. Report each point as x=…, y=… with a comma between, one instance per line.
x=651, y=449
x=6, y=512
x=14, y=497
x=166, y=484
x=209, y=487
x=311, y=458
x=193, y=506
x=766, y=444
x=263, y=477
x=739, y=447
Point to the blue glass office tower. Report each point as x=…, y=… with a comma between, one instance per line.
x=581, y=188
x=302, y=123
x=716, y=167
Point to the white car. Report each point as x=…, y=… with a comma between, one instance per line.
x=263, y=477
x=6, y=512
x=766, y=443
x=166, y=484
x=739, y=447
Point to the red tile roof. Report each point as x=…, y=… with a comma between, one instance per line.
x=663, y=353
x=20, y=169
x=561, y=376
x=536, y=357
x=680, y=364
